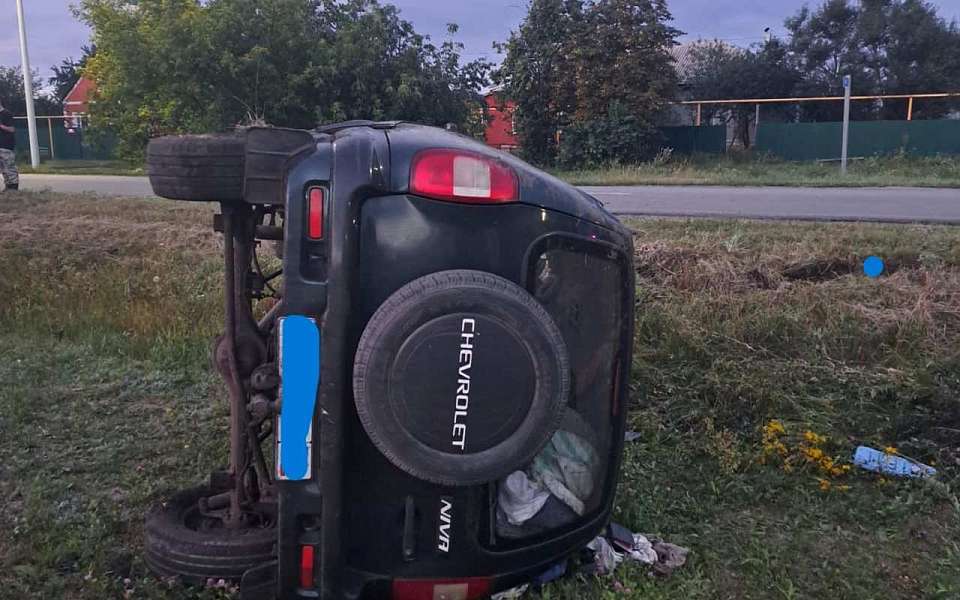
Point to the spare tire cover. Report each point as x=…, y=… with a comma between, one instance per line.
x=460, y=378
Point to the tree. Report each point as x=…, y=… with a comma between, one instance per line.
x=11, y=93
x=68, y=72
x=538, y=73
x=922, y=55
x=887, y=46
x=623, y=57
x=169, y=66
x=605, y=63
x=720, y=70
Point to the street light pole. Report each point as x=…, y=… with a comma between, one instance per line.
x=845, y=142
x=28, y=89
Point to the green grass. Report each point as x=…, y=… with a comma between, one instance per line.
x=108, y=403
x=749, y=170
x=84, y=167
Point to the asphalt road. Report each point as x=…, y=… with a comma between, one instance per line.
x=897, y=205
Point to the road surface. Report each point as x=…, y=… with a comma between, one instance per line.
x=897, y=205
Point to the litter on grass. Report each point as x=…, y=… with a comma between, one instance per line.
x=890, y=464
x=607, y=552
x=611, y=550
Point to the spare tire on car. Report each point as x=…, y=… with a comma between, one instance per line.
x=461, y=377
x=205, y=168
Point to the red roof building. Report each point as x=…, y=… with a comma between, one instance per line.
x=77, y=102
x=501, y=132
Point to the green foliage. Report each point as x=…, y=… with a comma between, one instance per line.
x=618, y=137
x=68, y=72
x=573, y=63
x=171, y=66
x=887, y=46
x=720, y=70
x=13, y=98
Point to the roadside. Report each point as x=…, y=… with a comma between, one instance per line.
x=730, y=170
x=925, y=205
x=739, y=325
x=747, y=170
x=84, y=167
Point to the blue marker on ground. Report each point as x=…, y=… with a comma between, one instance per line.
x=873, y=267
x=300, y=376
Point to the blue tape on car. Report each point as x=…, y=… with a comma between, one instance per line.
x=300, y=378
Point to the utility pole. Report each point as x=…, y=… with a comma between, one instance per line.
x=28, y=89
x=847, y=84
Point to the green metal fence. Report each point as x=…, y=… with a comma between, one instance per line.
x=58, y=141
x=695, y=140
x=821, y=141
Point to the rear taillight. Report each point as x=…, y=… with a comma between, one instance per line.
x=448, y=589
x=315, y=213
x=306, y=566
x=464, y=177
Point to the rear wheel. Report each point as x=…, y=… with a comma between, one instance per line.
x=184, y=543
x=197, y=167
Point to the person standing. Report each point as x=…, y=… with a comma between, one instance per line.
x=8, y=142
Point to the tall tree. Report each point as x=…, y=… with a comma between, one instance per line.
x=186, y=65
x=922, y=55
x=538, y=73
x=589, y=66
x=720, y=70
x=11, y=93
x=823, y=43
x=887, y=46
x=68, y=72
x=624, y=57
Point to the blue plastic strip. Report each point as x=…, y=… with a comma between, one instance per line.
x=300, y=376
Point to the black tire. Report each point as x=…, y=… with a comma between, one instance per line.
x=197, y=167
x=176, y=546
x=407, y=377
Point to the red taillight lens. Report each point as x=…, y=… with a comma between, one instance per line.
x=463, y=177
x=437, y=589
x=315, y=213
x=306, y=566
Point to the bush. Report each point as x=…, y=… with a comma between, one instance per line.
x=618, y=138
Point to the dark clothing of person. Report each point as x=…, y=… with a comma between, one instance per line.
x=7, y=139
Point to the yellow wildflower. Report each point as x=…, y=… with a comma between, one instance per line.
x=824, y=484
x=774, y=427
x=889, y=450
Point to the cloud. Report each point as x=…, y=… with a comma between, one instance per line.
x=52, y=34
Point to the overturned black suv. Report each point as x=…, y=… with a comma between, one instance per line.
x=434, y=407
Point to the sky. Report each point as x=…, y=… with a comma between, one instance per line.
x=53, y=32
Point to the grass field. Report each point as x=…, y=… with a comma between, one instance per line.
x=749, y=170
x=107, y=401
